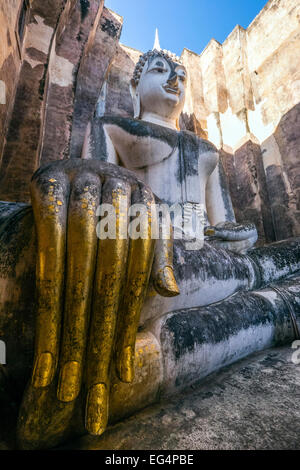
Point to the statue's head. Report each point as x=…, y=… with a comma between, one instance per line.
x=158, y=85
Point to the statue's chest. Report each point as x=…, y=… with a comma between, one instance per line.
x=177, y=174
x=176, y=169
x=138, y=150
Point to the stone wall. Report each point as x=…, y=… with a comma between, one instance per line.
x=243, y=95
x=67, y=48
x=251, y=89
x=21, y=150
x=72, y=32
x=10, y=61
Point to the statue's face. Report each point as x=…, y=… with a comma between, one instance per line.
x=162, y=87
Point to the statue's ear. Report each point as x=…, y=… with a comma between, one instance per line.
x=135, y=99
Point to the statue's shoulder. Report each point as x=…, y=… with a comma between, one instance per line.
x=132, y=126
x=137, y=128
x=127, y=124
x=198, y=143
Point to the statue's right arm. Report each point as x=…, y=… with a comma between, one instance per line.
x=223, y=227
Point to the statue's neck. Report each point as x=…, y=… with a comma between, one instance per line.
x=161, y=121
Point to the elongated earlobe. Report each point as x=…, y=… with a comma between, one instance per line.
x=135, y=99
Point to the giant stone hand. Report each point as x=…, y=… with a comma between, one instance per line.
x=89, y=291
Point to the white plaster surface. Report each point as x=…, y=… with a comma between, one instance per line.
x=207, y=358
x=61, y=71
x=39, y=35
x=2, y=92
x=194, y=292
x=257, y=126
x=214, y=131
x=233, y=128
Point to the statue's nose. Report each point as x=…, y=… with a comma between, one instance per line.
x=173, y=78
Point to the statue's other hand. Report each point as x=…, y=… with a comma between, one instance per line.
x=90, y=291
x=233, y=236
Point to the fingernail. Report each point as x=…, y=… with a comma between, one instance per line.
x=96, y=416
x=126, y=365
x=69, y=382
x=209, y=232
x=166, y=284
x=170, y=281
x=43, y=370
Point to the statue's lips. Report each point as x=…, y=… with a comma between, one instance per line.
x=169, y=89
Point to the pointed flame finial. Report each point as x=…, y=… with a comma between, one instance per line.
x=156, y=42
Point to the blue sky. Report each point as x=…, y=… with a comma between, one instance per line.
x=182, y=23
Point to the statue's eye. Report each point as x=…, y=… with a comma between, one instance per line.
x=181, y=74
x=159, y=67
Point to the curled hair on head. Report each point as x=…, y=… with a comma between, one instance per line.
x=148, y=55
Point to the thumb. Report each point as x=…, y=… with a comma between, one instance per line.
x=163, y=277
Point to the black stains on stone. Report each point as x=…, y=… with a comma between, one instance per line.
x=64, y=170
x=188, y=330
x=229, y=212
x=189, y=151
x=42, y=83
x=141, y=129
x=8, y=209
x=277, y=259
x=15, y=219
x=291, y=292
x=110, y=28
x=84, y=5
x=35, y=54
x=98, y=141
x=8, y=38
x=8, y=74
x=22, y=21
x=234, y=228
x=191, y=147
x=17, y=240
x=279, y=199
x=209, y=263
x=79, y=36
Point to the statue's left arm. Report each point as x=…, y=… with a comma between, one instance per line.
x=224, y=229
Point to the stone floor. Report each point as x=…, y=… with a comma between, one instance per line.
x=254, y=404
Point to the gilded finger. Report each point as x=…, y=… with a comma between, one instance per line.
x=109, y=283
x=140, y=260
x=80, y=264
x=49, y=201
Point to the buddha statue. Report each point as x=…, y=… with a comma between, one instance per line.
x=96, y=298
